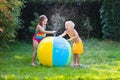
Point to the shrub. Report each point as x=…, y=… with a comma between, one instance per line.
x=9, y=20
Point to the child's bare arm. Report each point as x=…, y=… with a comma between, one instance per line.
x=76, y=36
x=63, y=34
x=72, y=38
x=46, y=32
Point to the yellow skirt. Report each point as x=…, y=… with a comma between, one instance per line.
x=77, y=48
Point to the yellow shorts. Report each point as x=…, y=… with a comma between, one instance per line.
x=77, y=48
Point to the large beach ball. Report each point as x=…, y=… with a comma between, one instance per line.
x=54, y=51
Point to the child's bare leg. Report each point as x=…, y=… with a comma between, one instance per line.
x=75, y=59
x=33, y=58
x=35, y=44
x=78, y=59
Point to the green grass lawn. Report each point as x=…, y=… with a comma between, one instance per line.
x=100, y=61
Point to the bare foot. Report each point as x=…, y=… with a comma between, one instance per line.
x=77, y=65
x=73, y=65
x=33, y=64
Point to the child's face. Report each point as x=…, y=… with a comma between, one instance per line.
x=44, y=22
x=68, y=27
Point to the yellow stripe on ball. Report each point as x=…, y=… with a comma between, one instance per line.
x=43, y=56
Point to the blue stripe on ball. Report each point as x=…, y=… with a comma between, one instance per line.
x=61, y=52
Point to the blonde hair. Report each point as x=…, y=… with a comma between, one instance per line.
x=71, y=23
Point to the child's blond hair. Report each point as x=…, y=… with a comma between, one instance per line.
x=71, y=23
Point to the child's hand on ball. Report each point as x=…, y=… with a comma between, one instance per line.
x=53, y=32
x=69, y=40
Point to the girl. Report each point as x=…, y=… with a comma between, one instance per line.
x=39, y=34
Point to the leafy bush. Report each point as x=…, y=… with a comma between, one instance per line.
x=34, y=23
x=9, y=20
x=88, y=27
x=110, y=15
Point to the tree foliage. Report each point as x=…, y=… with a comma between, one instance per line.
x=58, y=13
x=61, y=1
x=9, y=20
x=87, y=26
x=110, y=15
